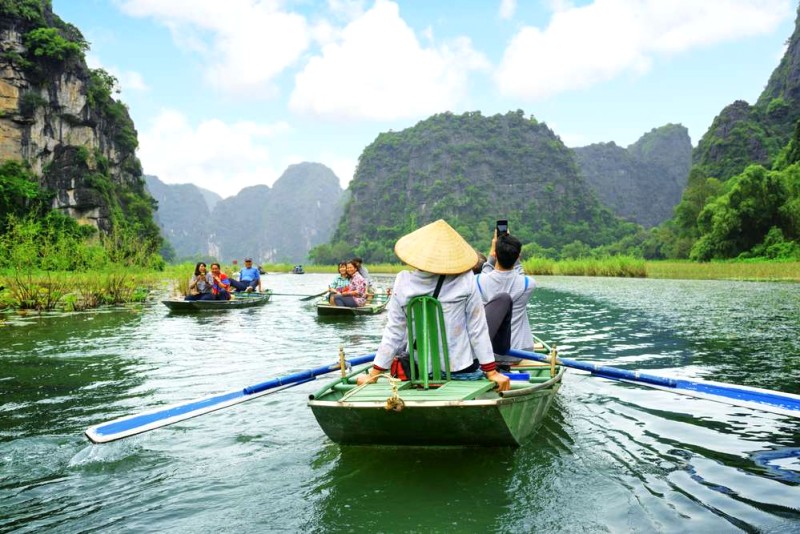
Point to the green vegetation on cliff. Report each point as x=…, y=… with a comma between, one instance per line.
x=742, y=199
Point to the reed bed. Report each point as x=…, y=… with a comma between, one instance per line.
x=71, y=291
x=788, y=271
x=613, y=266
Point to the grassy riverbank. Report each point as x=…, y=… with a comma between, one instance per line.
x=623, y=266
x=74, y=291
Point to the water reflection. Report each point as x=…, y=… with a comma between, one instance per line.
x=409, y=489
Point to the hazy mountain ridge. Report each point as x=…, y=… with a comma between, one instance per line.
x=278, y=224
x=644, y=182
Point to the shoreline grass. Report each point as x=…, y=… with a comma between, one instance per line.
x=76, y=291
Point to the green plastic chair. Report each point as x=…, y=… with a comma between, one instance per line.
x=427, y=341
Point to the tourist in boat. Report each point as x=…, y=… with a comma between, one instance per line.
x=355, y=294
x=503, y=273
x=200, y=284
x=249, y=278
x=339, y=283
x=220, y=287
x=441, y=257
x=359, y=263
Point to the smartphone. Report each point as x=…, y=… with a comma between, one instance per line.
x=502, y=227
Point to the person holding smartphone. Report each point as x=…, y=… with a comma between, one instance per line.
x=200, y=284
x=220, y=286
x=503, y=273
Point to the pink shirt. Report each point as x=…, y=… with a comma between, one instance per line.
x=359, y=285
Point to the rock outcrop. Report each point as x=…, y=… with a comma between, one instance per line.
x=59, y=117
x=643, y=182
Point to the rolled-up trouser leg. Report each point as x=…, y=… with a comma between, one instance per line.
x=347, y=301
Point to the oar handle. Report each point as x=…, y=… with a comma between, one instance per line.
x=305, y=376
x=600, y=370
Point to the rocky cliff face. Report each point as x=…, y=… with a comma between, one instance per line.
x=644, y=182
x=743, y=134
x=183, y=216
x=471, y=170
x=58, y=116
x=272, y=225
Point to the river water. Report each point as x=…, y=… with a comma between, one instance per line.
x=611, y=457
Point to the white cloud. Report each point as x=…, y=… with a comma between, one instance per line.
x=583, y=46
x=378, y=70
x=214, y=155
x=245, y=43
x=507, y=9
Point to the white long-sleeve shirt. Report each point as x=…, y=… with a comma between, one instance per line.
x=519, y=287
x=465, y=321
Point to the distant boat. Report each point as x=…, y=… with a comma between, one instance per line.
x=298, y=269
x=372, y=307
x=239, y=300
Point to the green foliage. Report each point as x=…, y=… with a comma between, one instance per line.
x=29, y=102
x=775, y=247
x=49, y=45
x=100, y=87
x=331, y=254
x=777, y=106
x=28, y=10
x=19, y=191
x=55, y=242
x=738, y=220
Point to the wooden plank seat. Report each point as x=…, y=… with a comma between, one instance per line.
x=454, y=390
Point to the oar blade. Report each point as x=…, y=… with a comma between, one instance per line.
x=734, y=394
x=131, y=425
x=160, y=417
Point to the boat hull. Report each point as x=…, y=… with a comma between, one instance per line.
x=487, y=420
x=240, y=300
x=371, y=308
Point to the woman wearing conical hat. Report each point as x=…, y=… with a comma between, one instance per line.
x=434, y=250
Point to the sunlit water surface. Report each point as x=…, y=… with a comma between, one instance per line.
x=611, y=457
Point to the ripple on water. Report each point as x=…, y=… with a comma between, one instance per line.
x=611, y=457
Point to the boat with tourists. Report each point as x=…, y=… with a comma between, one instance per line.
x=298, y=269
x=238, y=300
x=438, y=410
x=374, y=305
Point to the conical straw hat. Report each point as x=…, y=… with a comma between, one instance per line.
x=436, y=248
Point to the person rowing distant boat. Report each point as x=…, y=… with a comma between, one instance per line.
x=441, y=257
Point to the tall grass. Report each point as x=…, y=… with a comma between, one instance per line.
x=71, y=291
x=616, y=266
x=726, y=270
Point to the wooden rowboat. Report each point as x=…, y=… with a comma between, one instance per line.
x=373, y=307
x=462, y=413
x=239, y=300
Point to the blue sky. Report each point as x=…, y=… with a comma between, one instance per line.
x=228, y=94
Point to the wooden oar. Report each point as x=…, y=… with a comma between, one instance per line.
x=310, y=297
x=759, y=399
x=307, y=296
x=159, y=417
